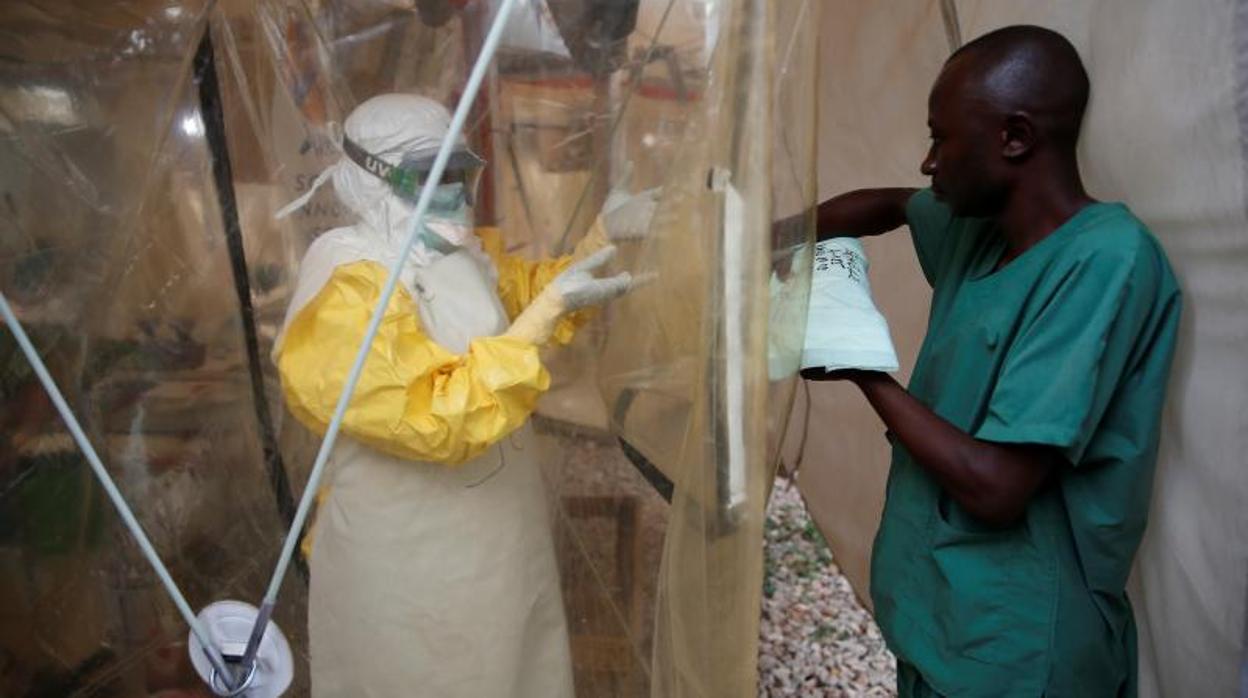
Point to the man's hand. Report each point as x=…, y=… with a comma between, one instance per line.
x=818, y=373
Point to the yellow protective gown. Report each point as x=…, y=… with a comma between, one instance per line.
x=433, y=567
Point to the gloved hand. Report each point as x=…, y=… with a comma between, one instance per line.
x=627, y=216
x=572, y=290
x=624, y=216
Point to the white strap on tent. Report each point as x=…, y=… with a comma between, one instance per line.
x=335, y=136
x=307, y=195
x=110, y=488
x=331, y=435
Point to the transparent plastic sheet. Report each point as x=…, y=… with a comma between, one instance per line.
x=115, y=255
x=558, y=131
x=297, y=69
x=124, y=257
x=705, y=407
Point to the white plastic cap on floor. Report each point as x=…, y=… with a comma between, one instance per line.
x=229, y=624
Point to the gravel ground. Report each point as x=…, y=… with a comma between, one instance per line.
x=815, y=638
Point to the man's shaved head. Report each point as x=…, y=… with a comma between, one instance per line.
x=1026, y=69
x=1007, y=107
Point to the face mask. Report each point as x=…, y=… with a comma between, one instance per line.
x=448, y=222
x=449, y=199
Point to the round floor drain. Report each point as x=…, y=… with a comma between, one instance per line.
x=229, y=624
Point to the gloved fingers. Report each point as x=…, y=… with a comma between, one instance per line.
x=645, y=278
x=632, y=219
x=582, y=292
x=645, y=203
x=599, y=291
x=650, y=195
x=592, y=261
x=615, y=286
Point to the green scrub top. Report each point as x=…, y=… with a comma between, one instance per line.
x=1068, y=345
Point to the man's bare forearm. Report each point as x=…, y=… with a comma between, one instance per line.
x=993, y=482
x=863, y=213
x=860, y=213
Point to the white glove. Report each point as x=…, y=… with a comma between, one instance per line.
x=572, y=290
x=624, y=216
x=628, y=216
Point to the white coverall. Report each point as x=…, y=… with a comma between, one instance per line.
x=433, y=569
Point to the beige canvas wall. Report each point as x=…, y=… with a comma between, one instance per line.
x=1165, y=133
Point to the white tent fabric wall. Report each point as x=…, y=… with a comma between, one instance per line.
x=1166, y=134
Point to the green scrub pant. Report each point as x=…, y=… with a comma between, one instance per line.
x=910, y=683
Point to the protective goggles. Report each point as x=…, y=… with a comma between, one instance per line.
x=408, y=177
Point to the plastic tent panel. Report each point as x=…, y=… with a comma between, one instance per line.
x=154, y=281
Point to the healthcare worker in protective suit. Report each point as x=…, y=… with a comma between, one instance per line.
x=433, y=566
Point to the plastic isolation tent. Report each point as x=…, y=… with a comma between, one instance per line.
x=146, y=147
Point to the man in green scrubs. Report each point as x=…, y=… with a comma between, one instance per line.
x=1025, y=446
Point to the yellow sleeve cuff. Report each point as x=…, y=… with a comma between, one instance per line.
x=520, y=280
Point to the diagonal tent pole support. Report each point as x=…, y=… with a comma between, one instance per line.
x=110, y=488
x=488, y=47
x=211, y=109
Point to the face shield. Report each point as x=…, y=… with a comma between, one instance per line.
x=447, y=223
x=459, y=181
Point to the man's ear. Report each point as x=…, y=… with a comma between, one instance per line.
x=1018, y=136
